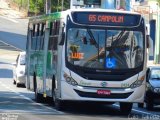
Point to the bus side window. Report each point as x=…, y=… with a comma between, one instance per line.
x=53, y=39
x=53, y=42
x=54, y=29
x=33, y=32
x=38, y=37
x=51, y=28
x=42, y=30
x=57, y=27
x=148, y=39
x=33, y=42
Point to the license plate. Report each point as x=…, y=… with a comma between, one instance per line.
x=103, y=92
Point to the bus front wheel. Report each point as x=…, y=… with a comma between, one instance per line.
x=58, y=104
x=126, y=108
x=38, y=97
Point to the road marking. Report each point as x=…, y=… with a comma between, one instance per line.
x=29, y=99
x=137, y=110
x=18, y=112
x=7, y=44
x=10, y=19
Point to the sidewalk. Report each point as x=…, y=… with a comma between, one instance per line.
x=8, y=56
x=151, y=63
x=6, y=11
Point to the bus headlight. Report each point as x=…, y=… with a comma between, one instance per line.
x=70, y=80
x=137, y=83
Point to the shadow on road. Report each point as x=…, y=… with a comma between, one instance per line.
x=14, y=39
x=94, y=109
x=6, y=73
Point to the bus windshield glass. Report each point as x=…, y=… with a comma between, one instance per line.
x=105, y=49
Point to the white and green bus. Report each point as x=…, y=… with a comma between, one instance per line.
x=87, y=55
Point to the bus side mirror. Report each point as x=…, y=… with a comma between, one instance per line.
x=148, y=41
x=147, y=75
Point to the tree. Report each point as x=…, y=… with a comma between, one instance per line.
x=38, y=6
x=57, y=5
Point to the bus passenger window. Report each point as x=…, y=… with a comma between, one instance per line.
x=33, y=32
x=51, y=28
x=38, y=26
x=53, y=42
x=38, y=37
x=42, y=30
x=57, y=27
x=33, y=41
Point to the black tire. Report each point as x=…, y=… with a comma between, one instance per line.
x=140, y=105
x=17, y=85
x=38, y=97
x=149, y=106
x=58, y=104
x=149, y=101
x=34, y=82
x=126, y=108
x=14, y=82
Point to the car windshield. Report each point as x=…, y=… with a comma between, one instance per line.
x=155, y=74
x=105, y=49
x=22, y=60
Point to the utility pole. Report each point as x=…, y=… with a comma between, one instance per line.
x=62, y=4
x=48, y=6
x=28, y=8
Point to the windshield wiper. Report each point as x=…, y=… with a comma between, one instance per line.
x=92, y=37
x=118, y=38
x=155, y=78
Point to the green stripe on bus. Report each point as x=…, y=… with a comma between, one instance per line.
x=52, y=16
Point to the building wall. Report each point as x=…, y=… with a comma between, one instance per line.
x=116, y=4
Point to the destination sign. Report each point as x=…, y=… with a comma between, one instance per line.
x=110, y=19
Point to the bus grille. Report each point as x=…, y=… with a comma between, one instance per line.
x=111, y=96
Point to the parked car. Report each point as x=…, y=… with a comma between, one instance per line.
x=19, y=70
x=152, y=96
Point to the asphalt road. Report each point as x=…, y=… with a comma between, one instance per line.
x=19, y=104
x=14, y=31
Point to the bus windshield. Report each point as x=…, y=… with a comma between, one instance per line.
x=105, y=49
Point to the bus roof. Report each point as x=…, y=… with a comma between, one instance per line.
x=103, y=10
x=62, y=14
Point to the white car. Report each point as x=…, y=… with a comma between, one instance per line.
x=19, y=70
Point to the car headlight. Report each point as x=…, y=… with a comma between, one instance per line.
x=70, y=80
x=138, y=82
x=157, y=90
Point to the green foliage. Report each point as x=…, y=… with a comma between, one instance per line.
x=155, y=0
x=38, y=6
x=57, y=5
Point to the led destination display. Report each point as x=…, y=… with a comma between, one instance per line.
x=110, y=19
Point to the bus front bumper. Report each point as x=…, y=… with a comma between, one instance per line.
x=79, y=93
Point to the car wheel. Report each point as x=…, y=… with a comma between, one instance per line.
x=140, y=105
x=125, y=108
x=38, y=97
x=17, y=85
x=14, y=82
